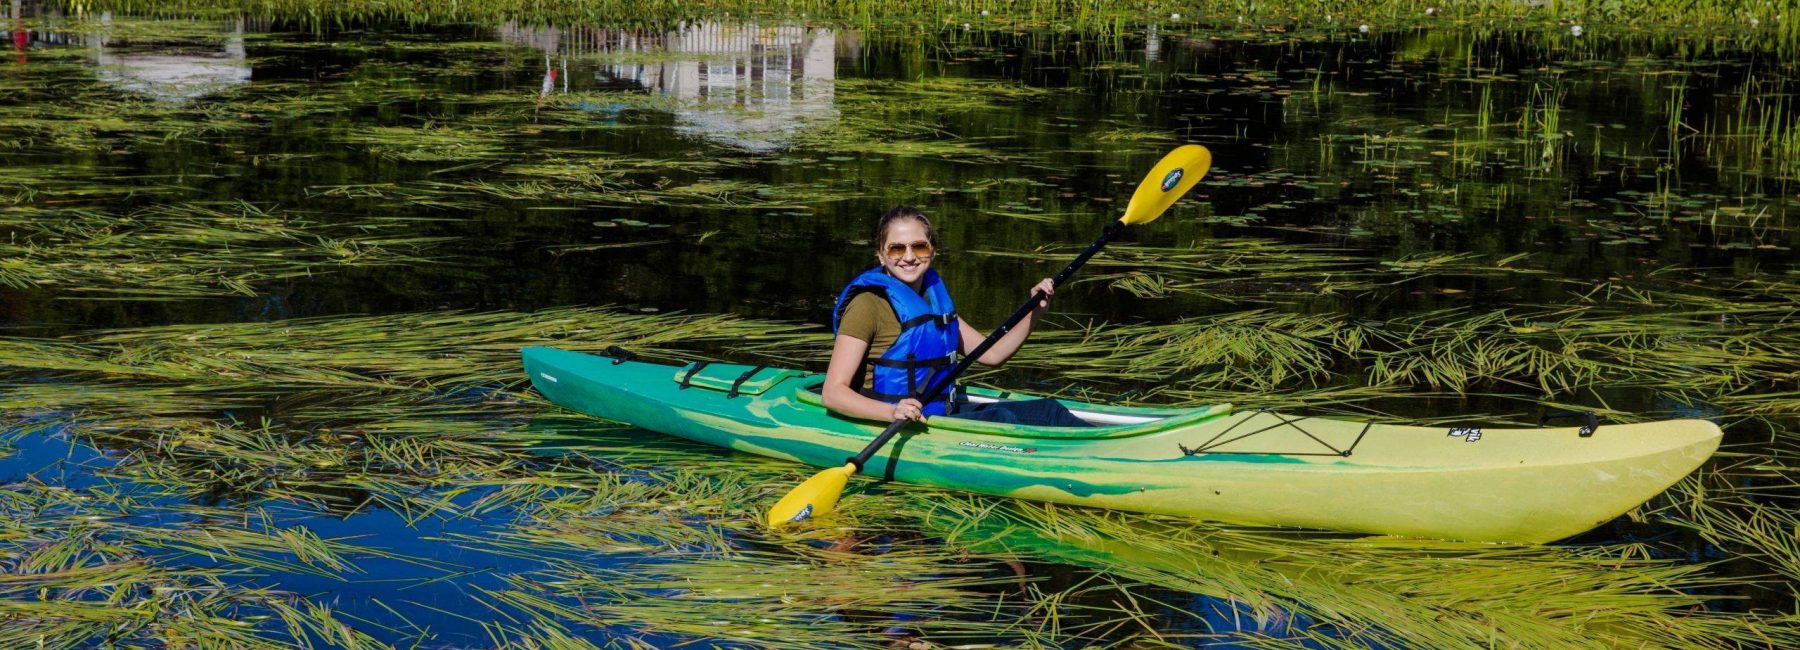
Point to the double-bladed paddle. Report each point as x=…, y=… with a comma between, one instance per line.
x=1166, y=182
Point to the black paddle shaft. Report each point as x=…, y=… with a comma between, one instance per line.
x=944, y=381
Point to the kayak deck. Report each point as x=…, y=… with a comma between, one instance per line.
x=1253, y=467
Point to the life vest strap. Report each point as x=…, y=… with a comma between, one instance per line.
x=941, y=319
x=913, y=364
x=893, y=398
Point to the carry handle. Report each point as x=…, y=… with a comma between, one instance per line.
x=620, y=355
x=1589, y=426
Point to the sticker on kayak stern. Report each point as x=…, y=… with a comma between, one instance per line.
x=1173, y=178
x=547, y=376
x=993, y=447
x=1467, y=434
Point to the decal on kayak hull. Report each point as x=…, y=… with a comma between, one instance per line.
x=1468, y=434
x=994, y=447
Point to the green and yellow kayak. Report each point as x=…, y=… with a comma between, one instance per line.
x=1212, y=462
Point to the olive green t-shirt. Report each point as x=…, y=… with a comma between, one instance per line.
x=870, y=318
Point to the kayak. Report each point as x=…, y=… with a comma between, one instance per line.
x=1216, y=463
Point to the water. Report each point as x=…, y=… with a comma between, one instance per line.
x=719, y=167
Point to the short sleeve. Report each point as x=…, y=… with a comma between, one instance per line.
x=861, y=316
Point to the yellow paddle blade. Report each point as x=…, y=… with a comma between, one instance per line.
x=1166, y=182
x=817, y=496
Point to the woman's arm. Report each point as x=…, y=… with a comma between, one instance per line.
x=846, y=356
x=1007, y=345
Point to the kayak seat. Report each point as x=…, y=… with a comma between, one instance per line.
x=1108, y=421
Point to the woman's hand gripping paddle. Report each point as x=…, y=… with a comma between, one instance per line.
x=1166, y=182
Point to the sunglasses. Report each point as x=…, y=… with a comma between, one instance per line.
x=920, y=249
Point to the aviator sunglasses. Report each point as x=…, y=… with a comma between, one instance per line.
x=920, y=249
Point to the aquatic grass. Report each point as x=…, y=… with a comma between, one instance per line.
x=930, y=95
x=1726, y=355
x=1760, y=136
x=409, y=195
x=904, y=118
x=1258, y=270
x=1354, y=592
x=797, y=597
x=1283, y=19
x=25, y=186
x=424, y=416
x=872, y=136
x=429, y=142
x=73, y=573
x=704, y=193
x=399, y=352
x=166, y=252
x=681, y=520
x=1756, y=523
x=677, y=510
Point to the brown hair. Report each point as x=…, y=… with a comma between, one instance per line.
x=904, y=212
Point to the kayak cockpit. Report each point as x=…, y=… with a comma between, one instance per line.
x=1096, y=418
x=1108, y=421
x=1105, y=420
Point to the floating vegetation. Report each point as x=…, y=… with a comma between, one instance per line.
x=77, y=572
x=401, y=352
x=1473, y=214
x=1339, y=592
x=1264, y=270
x=428, y=143
x=1724, y=356
x=799, y=598
x=186, y=251
x=371, y=414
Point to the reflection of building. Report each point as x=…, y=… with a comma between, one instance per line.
x=168, y=76
x=744, y=85
x=173, y=77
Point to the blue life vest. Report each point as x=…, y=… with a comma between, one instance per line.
x=928, y=340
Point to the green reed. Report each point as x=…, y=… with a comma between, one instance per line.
x=1424, y=593
x=375, y=417
x=189, y=250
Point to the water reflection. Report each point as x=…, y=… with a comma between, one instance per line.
x=171, y=76
x=172, y=73
x=20, y=37
x=747, y=86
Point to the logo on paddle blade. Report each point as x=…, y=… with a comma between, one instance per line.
x=804, y=514
x=1170, y=180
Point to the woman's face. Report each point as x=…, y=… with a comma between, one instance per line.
x=906, y=237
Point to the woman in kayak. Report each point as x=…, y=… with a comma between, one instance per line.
x=897, y=331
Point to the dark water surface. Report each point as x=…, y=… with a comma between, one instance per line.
x=729, y=168
x=1373, y=145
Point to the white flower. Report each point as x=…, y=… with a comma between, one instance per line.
x=984, y=12
x=1364, y=28
x=1576, y=30
x=1174, y=16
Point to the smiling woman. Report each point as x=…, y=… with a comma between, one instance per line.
x=897, y=332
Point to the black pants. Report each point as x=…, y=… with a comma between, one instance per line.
x=1044, y=412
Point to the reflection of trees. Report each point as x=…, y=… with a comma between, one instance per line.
x=745, y=86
